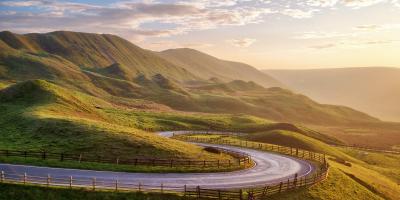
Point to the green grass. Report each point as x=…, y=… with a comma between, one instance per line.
x=114, y=167
x=387, y=164
x=38, y=115
x=337, y=186
x=282, y=138
x=21, y=192
x=296, y=140
x=365, y=176
x=83, y=67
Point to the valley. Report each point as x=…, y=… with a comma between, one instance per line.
x=100, y=95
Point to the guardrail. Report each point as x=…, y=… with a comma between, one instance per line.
x=242, y=159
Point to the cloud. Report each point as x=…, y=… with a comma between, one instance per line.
x=348, y=3
x=127, y=18
x=368, y=27
x=361, y=3
x=141, y=19
x=299, y=14
x=323, y=35
x=163, y=45
x=322, y=46
x=363, y=43
x=322, y=3
x=242, y=42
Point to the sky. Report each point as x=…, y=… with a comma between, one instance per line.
x=268, y=34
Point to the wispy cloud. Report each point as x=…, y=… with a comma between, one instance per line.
x=363, y=43
x=137, y=20
x=242, y=42
x=322, y=46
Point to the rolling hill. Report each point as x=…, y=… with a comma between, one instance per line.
x=375, y=90
x=95, y=51
x=113, y=69
x=208, y=67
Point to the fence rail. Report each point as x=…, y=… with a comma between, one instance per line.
x=269, y=189
x=241, y=159
x=192, y=192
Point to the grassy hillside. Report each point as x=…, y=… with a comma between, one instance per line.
x=39, y=115
x=8, y=191
x=375, y=90
x=337, y=186
x=95, y=51
x=208, y=67
x=380, y=135
x=110, y=68
x=291, y=139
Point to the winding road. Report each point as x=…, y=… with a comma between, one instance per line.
x=270, y=168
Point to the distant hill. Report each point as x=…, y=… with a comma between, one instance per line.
x=95, y=51
x=209, y=67
x=113, y=69
x=375, y=90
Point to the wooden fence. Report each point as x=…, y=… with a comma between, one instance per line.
x=198, y=192
x=241, y=159
x=269, y=189
x=300, y=153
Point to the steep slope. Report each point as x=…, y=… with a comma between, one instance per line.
x=93, y=51
x=375, y=90
x=207, y=67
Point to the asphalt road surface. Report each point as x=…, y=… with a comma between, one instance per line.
x=270, y=168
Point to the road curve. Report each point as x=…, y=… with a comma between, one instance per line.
x=270, y=168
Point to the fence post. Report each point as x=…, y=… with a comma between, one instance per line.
x=288, y=184
x=62, y=157
x=198, y=192
x=80, y=157
x=70, y=182
x=297, y=152
x=44, y=155
x=265, y=191
x=219, y=195
x=295, y=180
x=280, y=187
x=184, y=188
x=218, y=164
x=94, y=183
x=2, y=176
x=162, y=188
x=25, y=154
x=117, y=160
x=7, y=153
x=140, y=186
x=171, y=162
x=48, y=180
x=204, y=163
x=240, y=194
x=116, y=185
x=305, y=181
x=25, y=178
x=315, y=179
